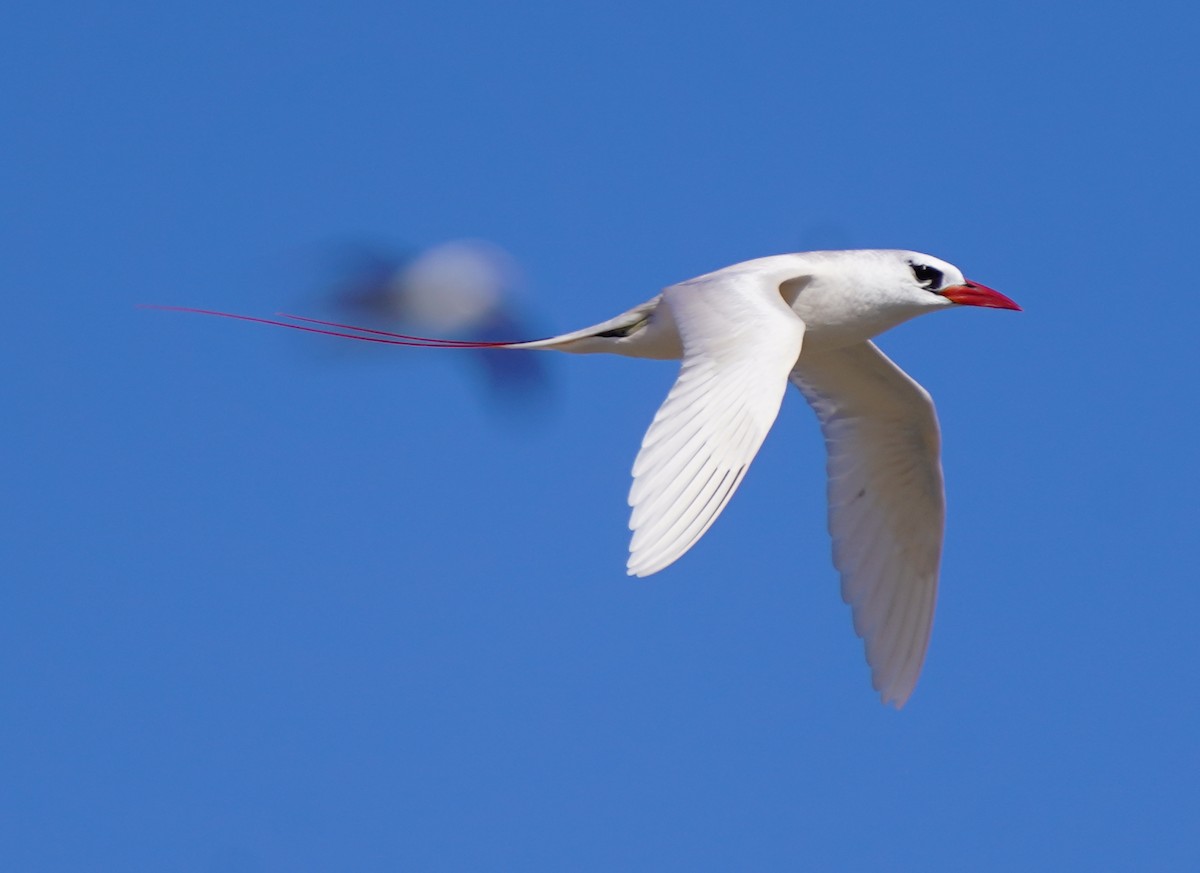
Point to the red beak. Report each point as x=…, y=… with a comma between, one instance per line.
x=973, y=294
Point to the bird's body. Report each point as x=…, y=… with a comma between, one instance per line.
x=846, y=299
x=743, y=333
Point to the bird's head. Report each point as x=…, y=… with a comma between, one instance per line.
x=931, y=281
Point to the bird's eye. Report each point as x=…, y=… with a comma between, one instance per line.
x=929, y=277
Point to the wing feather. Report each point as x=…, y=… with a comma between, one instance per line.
x=886, y=503
x=740, y=340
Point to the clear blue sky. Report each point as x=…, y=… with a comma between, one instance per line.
x=271, y=606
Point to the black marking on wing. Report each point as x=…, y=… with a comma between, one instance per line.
x=627, y=329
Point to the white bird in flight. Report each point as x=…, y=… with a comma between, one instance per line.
x=744, y=332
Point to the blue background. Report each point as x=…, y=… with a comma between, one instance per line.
x=279, y=602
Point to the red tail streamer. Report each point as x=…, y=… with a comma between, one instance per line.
x=375, y=336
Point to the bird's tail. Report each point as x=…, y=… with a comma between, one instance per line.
x=622, y=334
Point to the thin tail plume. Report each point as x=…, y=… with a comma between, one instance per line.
x=344, y=331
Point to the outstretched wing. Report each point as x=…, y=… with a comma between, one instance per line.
x=740, y=340
x=887, y=505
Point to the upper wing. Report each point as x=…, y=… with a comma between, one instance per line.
x=887, y=506
x=740, y=340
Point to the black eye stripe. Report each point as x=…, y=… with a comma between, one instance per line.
x=930, y=277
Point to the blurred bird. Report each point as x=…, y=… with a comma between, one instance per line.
x=743, y=333
x=465, y=289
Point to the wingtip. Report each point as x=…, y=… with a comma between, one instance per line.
x=895, y=693
x=639, y=569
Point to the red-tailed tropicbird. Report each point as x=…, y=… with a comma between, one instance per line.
x=744, y=332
